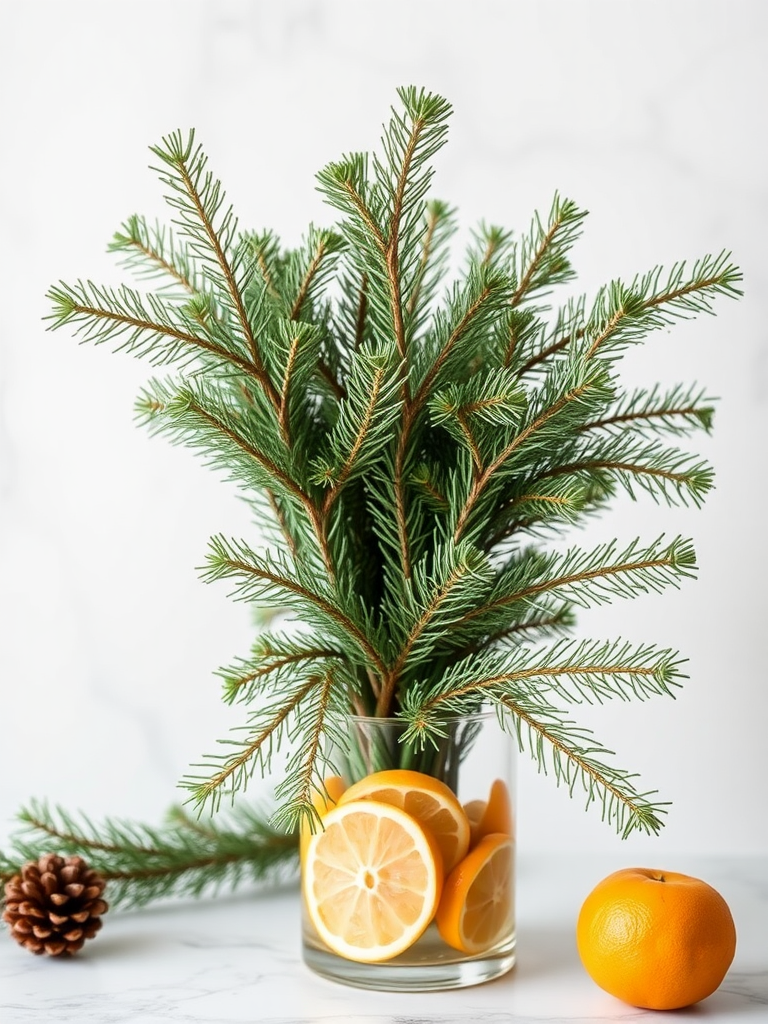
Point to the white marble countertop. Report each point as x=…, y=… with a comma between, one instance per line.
x=238, y=959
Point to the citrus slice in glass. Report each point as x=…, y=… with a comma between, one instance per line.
x=476, y=909
x=474, y=810
x=431, y=802
x=324, y=797
x=372, y=880
x=497, y=815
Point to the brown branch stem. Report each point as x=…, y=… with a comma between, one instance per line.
x=630, y=417
x=163, y=263
x=170, y=332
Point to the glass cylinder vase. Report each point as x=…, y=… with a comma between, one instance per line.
x=408, y=878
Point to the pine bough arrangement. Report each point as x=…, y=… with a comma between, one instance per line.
x=407, y=447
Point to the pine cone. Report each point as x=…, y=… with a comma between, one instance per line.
x=54, y=904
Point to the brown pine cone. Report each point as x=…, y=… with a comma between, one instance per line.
x=54, y=904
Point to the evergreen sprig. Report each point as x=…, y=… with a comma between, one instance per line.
x=413, y=441
x=151, y=252
x=183, y=857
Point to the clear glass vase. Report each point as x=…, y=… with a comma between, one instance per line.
x=408, y=879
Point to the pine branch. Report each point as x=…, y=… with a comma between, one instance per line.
x=535, y=344
x=473, y=309
x=409, y=142
x=576, y=671
x=308, y=714
x=313, y=269
x=661, y=472
x=576, y=393
x=545, y=617
x=609, y=670
x=280, y=517
x=198, y=198
x=283, y=415
x=344, y=184
x=424, y=480
x=263, y=250
x=143, y=325
x=350, y=322
x=428, y=278
x=274, y=659
x=264, y=579
x=538, y=505
x=392, y=238
x=586, y=578
x=624, y=314
x=295, y=362
x=266, y=730
x=679, y=411
x=574, y=759
x=294, y=281
x=142, y=864
x=317, y=726
x=191, y=413
x=151, y=252
x=490, y=246
x=541, y=256
x=461, y=576
x=360, y=314
x=365, y=419
x=477, y=411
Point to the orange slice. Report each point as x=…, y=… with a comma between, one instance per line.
x=497, y=816
x=476, y=909
x=323, y=799
x=426, y=799
x=372, y=880
x=474, y=811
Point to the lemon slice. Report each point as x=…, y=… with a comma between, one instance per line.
x=476, y=909
x=428, y=800
x=323, y=798
x=372, y=880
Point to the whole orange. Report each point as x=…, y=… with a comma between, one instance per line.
x=656, y=939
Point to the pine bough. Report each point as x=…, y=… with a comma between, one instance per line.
x=408, y=447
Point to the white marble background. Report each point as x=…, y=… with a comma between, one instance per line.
x=651, y=114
